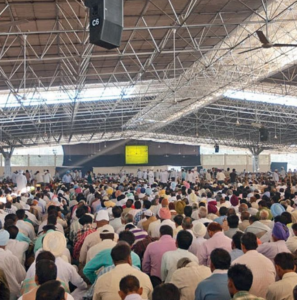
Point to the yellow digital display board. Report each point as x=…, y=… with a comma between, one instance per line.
x=136, y=155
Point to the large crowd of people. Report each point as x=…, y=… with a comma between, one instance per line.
x=156, y=234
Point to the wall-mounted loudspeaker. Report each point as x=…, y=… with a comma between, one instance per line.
x=217, y=148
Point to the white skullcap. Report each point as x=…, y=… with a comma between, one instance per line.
x=102, y=215
x=199, y=229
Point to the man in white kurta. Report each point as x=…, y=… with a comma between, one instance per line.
x=151, y=177
x=21, y=182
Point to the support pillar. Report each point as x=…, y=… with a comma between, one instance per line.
x=7, y=163
x=256, y=150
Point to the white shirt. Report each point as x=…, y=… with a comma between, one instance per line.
x=262, y=268
x=65, y=272
x=105, y=244
x=153, y=229
x=116, y=223
x=18, y=249
x=14, y=271
x=169, y=262
x=107, y=285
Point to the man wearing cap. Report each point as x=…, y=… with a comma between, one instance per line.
x=107, y=242
x=102, y=218
x=14, y=271
x=280, y=234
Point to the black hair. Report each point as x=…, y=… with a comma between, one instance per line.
x=166, y=291
x=223, y=211
x=52, y=219
x=127, y=236
x=188, y=211
x=80, y=212
x=184, y=239
x=147, y=204
x=233, y=221
x=178, y=219
x=237, y=239
x=285, y=261
x=13, y=232
x=120, y=252
x=86, y=219
x=166, y=230
x=129, y=284
x=241, y=276
x=12, y=217
x=117, y=211
x=46, y=270
x=249, y=241
x=47, y=255
x=20, y=213
x=137, y=204
x=220, y=258
x=51, y=290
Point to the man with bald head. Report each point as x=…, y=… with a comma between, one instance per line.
x=217, y=240
x=244, y=220
x=264, y=218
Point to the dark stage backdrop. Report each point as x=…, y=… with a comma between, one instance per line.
x=112, y=154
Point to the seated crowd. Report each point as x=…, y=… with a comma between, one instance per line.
x=219, y=236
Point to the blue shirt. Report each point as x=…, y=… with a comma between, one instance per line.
x=103, y=259
x=214, y=287
x=220, y=220
x=22, y=238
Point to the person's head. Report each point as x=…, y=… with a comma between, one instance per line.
x=128, y=237
x=147, y=204
x=20, y=213
x=284, y=263
x=223, y=211
x=11, y=217
x=187, y=223
x=86, y=219
x=280, y=232
x=137, y=204
x=121, y=253
x=294, y=227
x=52, y=219
x=102, y=218
x=46, y=270
x=240, y=278
x=248, y=242
x=80, y=212
x=264, y=214
x=45, y=255
x=184, y=239
x=183, y=262
x=245, y=216
x=219, y=259
x=13, y=232
x=178, y=220
x=106, y=232
x=188, y=210
x=236, y=240
x=117, y=211
x=233, y=221
x=51, y=290
x=166, y=291
x=129, y=285
x=166, y=230
x=253, y=219
x=202, y=212
x=213, y=228
x=129, y=203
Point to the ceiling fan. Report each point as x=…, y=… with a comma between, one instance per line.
x=266, y=44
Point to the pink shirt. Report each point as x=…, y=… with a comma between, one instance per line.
x=218, y=240
x=152, y=258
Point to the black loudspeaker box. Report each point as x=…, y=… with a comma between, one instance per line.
x=263, y=134
x=106, y=22
x=217, y=148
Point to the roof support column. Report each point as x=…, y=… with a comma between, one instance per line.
x=7, y=163
x=256, y=150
